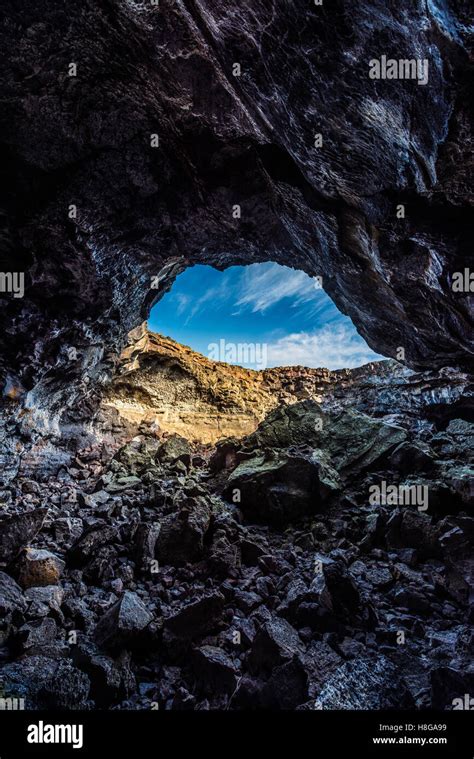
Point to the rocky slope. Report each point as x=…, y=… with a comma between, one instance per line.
x=259, y=573
x=159, y=381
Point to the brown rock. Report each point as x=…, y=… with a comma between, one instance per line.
x=37, y=567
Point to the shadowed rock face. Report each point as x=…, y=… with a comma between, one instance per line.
x=225, y=140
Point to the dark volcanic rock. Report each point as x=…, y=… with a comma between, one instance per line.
x=181, y=535
x=19, y=530
x=110, y=678
x=215, y=669
x=122, y=623
x=278, y=490
x=365, y=683
x=46, y=684
x=287, y=687
x=275, y=643
x=37, y=633
x=86, y=546
x=344, y=594
x=174, y=448
x=11, y=595
x=196, y=617
x=449, y=687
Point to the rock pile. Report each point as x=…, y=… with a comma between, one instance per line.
x=257, y=574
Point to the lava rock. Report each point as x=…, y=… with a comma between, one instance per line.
x=11, y=595
x=181, y=536
x=37, y=634
x=121, y=625
x=278, y=490
x=46, y=683
x=19, y=530
x=409, y=457
x=287, y=687
x=409, y=528
x=275, y=643
x=449, y=687
x=365, y=683
x=145, y=539
x=175, y=448
x=44, y=599
x=86, y=546
x=214, y=669
x=38, y=567
x=109, y=680
x=197, y=617
x=345, y=597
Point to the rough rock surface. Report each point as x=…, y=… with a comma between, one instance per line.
x=101, y=220
x=176, y=592
x=160, y=382
x=127, y=143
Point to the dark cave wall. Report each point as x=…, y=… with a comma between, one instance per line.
x=145, y=211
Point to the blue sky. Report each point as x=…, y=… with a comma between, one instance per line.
x=267, y=304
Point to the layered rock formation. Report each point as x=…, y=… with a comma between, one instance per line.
x=161, y=382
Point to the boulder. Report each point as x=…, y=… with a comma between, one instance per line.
x=175, y=448
x=214, y=669
x=18, y=531
x=287, y=686
x=197, y=617
x=37, y=567
x=110, y=678
x=86, y=546
x=42, y=600
x=11, y=595
x=365, y=683
x=279, y=489
x=181, y=535
x=409, y=528
x=350, y=441
x=144, y=541
x=121, y=625
x=411, y=457
x=37, y=633
x=345, y=597
x=46, y=683
x=275, y=643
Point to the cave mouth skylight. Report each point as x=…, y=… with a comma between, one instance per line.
x=259, y=316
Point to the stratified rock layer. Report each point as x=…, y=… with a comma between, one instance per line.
x=162, y=383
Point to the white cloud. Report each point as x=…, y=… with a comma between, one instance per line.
x=339, y=347
x=215, y=294
x=263, y=285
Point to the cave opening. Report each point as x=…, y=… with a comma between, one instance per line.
x=222, y=348
x=259, y=316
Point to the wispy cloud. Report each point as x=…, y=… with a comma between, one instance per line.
x=256, y=289
x=301, y=324
x=216, y=294
x=332, y=347
x=264, y=285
